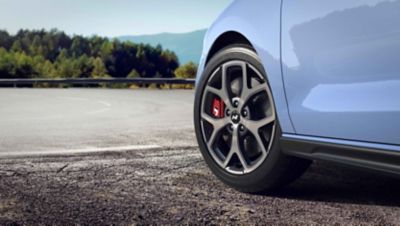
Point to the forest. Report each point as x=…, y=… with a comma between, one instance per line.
x=54, y=54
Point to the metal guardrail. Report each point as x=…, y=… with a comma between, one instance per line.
x=97, y=81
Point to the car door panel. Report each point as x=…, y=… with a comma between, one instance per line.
x=341, y=66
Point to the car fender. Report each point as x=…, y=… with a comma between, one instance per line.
x=260, y=22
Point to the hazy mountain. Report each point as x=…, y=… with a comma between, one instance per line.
x=187, y=46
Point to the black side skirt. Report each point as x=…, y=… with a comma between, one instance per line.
x=375, y=159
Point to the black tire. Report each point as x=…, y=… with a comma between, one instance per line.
x=277, y=169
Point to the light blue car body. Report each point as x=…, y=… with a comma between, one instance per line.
x=333, y=66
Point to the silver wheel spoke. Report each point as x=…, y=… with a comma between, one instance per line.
x=255, y=126
x=221, y=93
x=244, y=77
x=209, y=119
x=248, y=93
x=242, y=161
x=235, y=149
x=228, y=158
x=224, y=84
x=218, y=125
x=261, y=144
x=215, y=91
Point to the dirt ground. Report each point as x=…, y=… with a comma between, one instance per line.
x=174, y=186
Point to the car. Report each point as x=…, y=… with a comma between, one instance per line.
x=282, y=83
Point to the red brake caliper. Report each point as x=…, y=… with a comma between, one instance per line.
x=218, y=108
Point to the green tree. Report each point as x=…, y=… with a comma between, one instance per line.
x=68, y=69
x=85, y=66
x=16, y=46
x=62, y=56
x=99, y=69
x=79, y=46
x=48, y=70
x=7, y=64
x=35, y=46
x=133, y=74
x=5, y=39
x=37, y=53
x=24, y=65
x=38, y=63
x=188, y=70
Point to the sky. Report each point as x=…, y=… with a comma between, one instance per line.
x=110, y=17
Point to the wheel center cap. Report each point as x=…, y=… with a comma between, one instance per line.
x=235, y=117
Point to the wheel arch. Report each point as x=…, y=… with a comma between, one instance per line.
x=226, y=39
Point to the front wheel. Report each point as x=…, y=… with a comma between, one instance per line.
x=236, y=124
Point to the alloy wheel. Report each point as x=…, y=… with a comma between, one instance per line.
x=238, y=117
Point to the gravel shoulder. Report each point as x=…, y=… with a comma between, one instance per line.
x=174, y=186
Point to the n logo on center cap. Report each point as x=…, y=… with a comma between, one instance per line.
x=235, y=118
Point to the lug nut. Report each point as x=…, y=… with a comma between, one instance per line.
x=236, y=103
x=231, y=127
x=228, y=112
x=241, y=127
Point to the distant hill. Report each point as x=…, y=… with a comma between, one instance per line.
x=187, y=46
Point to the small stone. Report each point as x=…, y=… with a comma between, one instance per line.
x=251, y=211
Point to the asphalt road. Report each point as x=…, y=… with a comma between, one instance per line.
x=129, y=157
x=54, y=120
